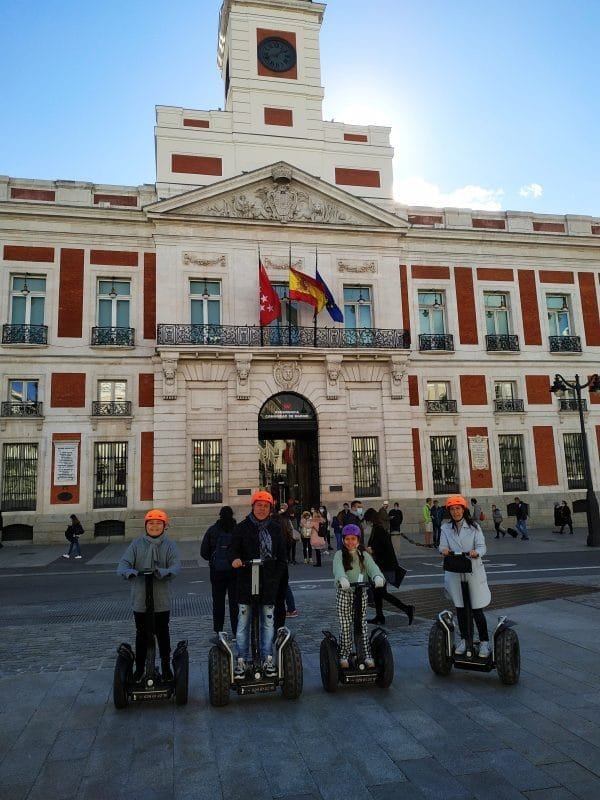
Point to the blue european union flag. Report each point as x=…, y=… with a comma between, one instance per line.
x=332, y=307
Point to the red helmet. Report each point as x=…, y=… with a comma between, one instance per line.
x=156, y=513
x=261, y=494
x=456, y=500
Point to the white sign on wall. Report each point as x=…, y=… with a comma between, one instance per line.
x=478, y=445
x=66, y=459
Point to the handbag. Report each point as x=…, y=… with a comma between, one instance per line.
x=457, y=562
x=399, y=574
x=296, y=535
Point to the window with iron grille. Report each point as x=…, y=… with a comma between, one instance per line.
x=365, y=466
x=574, y=460
x=207, y=471
x=512, y=463
x=19, y=477
x=444, y=464
x=110, y=475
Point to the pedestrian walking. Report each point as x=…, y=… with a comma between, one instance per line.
x=427, y=523
x=155, y=552
x=72, y=534
x=223, y=578
x=384, y=515
x=566, y=520
x=497, y=520
x=396, y=518
x=337, y=525
x=437, y=515
x=306, y=529
x=317, y=540
x=521, y=512
x=380, y=546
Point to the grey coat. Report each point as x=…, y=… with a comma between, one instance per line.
x=159, y=554
x=470, y=537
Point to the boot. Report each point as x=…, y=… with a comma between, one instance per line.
x=167, y=672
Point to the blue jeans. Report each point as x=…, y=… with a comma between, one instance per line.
x=290, y=602
x=74, y=547
x=521, y=526
x=267, y=630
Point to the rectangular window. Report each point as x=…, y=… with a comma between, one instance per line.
x=284, y=330
x=496, y=313
x=574, y=460
x=365, y=466
x=28, y=297
x=19, y=477
x=559, y=323
x=438, y=390
x=358, y=311
x=205, y=311
x=110, y=475
x=504, y=390
x=432, y=313
x=112, y=399
x=22, y=399
x=207, y=471
x=512, y=463
x=444, y=464
x=114, y=298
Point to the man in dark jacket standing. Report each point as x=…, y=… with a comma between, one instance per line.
x=258, y=536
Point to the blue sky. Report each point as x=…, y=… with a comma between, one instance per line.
x=492, y=105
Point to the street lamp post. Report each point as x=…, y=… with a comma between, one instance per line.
x=593, y=513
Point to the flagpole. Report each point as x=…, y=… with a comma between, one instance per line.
x=289, y=299
x=315, y=314
x=262, y=344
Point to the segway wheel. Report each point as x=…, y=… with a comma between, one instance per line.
x=121, y=678
x=329, y=665
x=219, y=677
x=384, y=660
x=182, y=671
x=508, y=656
x=439, y=661
x=293, y=675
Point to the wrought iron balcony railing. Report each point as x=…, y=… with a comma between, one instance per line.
x=24, y=334
x=111, y=409
x=280, y=336
x=565, y=344
x=436, y=341
x=570, y=404
x=440, y=406
x=116, y=337
x=502, y=343
x=21, y=409
x=509, y=405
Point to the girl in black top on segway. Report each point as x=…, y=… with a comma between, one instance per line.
x=152, y=551
x=352, y=564
x=258, y=536
x=461, y=534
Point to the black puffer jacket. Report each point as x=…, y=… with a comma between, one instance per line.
x=384, y=554
x=246, y=546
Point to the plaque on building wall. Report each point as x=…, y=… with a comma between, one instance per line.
x=66, y=459
x=478, y=447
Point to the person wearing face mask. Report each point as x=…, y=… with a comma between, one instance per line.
x=152, y=551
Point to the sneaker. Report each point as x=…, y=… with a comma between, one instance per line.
x=269, y=667
x=240, y=670
x=344, y=663
x=461, y=648
x=485, y=651
x=292, y=614
x=66, y=555
x=369, y=663
x=78, y=556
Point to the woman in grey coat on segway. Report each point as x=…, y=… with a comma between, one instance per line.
x=462, y=535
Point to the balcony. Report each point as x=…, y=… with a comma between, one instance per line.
x=21, y=409
x=24, y=334
x=565, y=344
x=281, y=336
x=440, y=406
x=502, y=343
x=113, y=337
x=509, y=405
x=112, y=409
x=570, y=404
x=443, y=342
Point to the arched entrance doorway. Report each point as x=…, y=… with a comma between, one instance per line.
x=288, y=449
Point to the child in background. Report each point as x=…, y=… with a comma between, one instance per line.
x=352, y=564
x=152, y=551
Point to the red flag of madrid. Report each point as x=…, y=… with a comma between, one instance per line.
x=270, y=305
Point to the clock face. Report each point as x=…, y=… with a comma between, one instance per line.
x=276, y=54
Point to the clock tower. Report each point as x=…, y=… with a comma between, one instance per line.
x=269, y=58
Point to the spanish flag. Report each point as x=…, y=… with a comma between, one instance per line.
x=307, y=290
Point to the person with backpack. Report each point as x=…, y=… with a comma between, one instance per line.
x=223, y=578
x=72, y=534
x=521, y=512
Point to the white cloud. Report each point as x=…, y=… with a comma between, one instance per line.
x=415, y=191
x=531, y=190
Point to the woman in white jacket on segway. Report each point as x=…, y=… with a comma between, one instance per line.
x=461, y=534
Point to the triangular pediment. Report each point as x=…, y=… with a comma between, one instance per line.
x=277, y=193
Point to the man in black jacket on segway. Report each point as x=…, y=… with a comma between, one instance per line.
x=258, y=537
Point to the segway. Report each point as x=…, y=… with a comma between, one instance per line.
x=153, y=686
x=504, y=656
x=357, y=672
x=288, y=660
